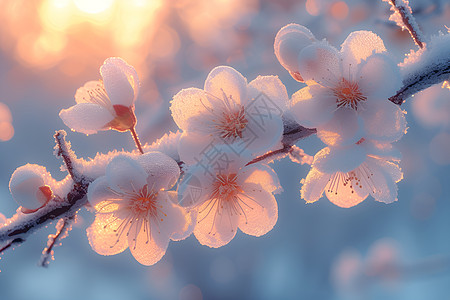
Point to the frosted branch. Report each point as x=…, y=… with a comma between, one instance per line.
x=62, y=228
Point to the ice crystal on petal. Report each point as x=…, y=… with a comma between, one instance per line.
x=233, y=196
x=134, y=209
x=105, y=104
x=346, y=96
x=347, y=175
x=230, y=111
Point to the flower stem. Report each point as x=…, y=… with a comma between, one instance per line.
x=136, y=140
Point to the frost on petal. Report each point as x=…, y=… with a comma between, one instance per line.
x=188, y=103
x=120, y=80
x=86, y=118
x=163, y=171
x=321, y=63
x=28, y=188
x=192, y=146
x=262, y=175
x=106, y=235
x=381, y=150
x=383, y=187
x=384, y=121
x=392, y=169
x=272, y=88
x=126, y=175
x=312, y=106
x=147, y=242
x=180, y=221
x=314, y=185
x=339, y=159
x=345, y=128
x=258, y=210
x=101, y=197
x=216, y=223
x=195, y=187
x=289, y=41
x=379, y=77
x=225, y=81
x=359, y=45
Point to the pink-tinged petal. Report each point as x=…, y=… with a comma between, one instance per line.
x=314, y=185
x=86, y=118
x=358, y=46
x=192, y=147
x=162, y=170
x=392, y=169
x=313, y=106
x=264, y=130
x=258, y=210
x=178, y=219
x=102, y=198
x=345, y=195
x=262, y=175
x=146, y=242
x=94, y=92
x=120, y=80
x=379, y=77
x=195, y=187
x=270, y=92
x=192, y=103
x=217, y=223
x=225, y=81
x=125, y=175
x=105, y=236
x=339, y=159
x=27, y=187
x=383, y=186
x=384, y=151
x=383, y=121
x=345, y=128
x=321, y=63
x=289, y=41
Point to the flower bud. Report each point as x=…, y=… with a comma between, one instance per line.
x=28, y=188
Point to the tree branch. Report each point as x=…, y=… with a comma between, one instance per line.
x=408, y=21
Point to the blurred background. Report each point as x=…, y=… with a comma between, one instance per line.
x=49, y=48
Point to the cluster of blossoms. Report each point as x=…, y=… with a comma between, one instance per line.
x=226, y=128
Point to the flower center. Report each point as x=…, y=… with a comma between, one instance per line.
x=225, y=187
x=144, y=201
x=348, y=94
x=232, y=123
x=359, y=177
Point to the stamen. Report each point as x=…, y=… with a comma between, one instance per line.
x=348, y=94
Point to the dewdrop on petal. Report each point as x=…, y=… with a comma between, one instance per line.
x=28, y=188
x=290, y=40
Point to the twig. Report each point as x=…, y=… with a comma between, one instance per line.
x=136, y=140
x=10, y=243
x=408, y=20
x=62, y=228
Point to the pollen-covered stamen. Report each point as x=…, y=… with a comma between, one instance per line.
x=99, y=96
x=356, y=179
x=348, y=94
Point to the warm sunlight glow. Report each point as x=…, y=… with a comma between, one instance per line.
x=93, y=7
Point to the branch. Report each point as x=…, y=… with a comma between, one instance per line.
x=62, y=228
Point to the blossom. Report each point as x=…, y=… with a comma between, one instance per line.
x=30, y=187
x=349, y=174
x=135, y=209
x=228, y=196
x=107, y=103
x=289, y=41
x=230, y=111
x=347, y=92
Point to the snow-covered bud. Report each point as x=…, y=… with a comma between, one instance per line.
x=290, y=40
x=29, y=189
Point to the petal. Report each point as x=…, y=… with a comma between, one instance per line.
x=216, y=223
x=273, y=91
x=313, y=106
x=94, y=92
x=379, y=77
x=345, y=194
x=345, y=128
x=162, y=170
x=321, y=63
x=226, y=82
x=358, y=46
x=147, y=244
x=339, y=159
x=126, y=175
x=179, y=220
x=86, y=118
x=25, y=184
x=314, y=185
x=192, y=147
x=189, y=103
x=104, y=237
x=384, y=121
x=392, y=169
x=383, y=186
x=289, y=41
x=262, y=175
x=101, y=197
x=258, y=210
x=120, y=80
x=195, y=187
